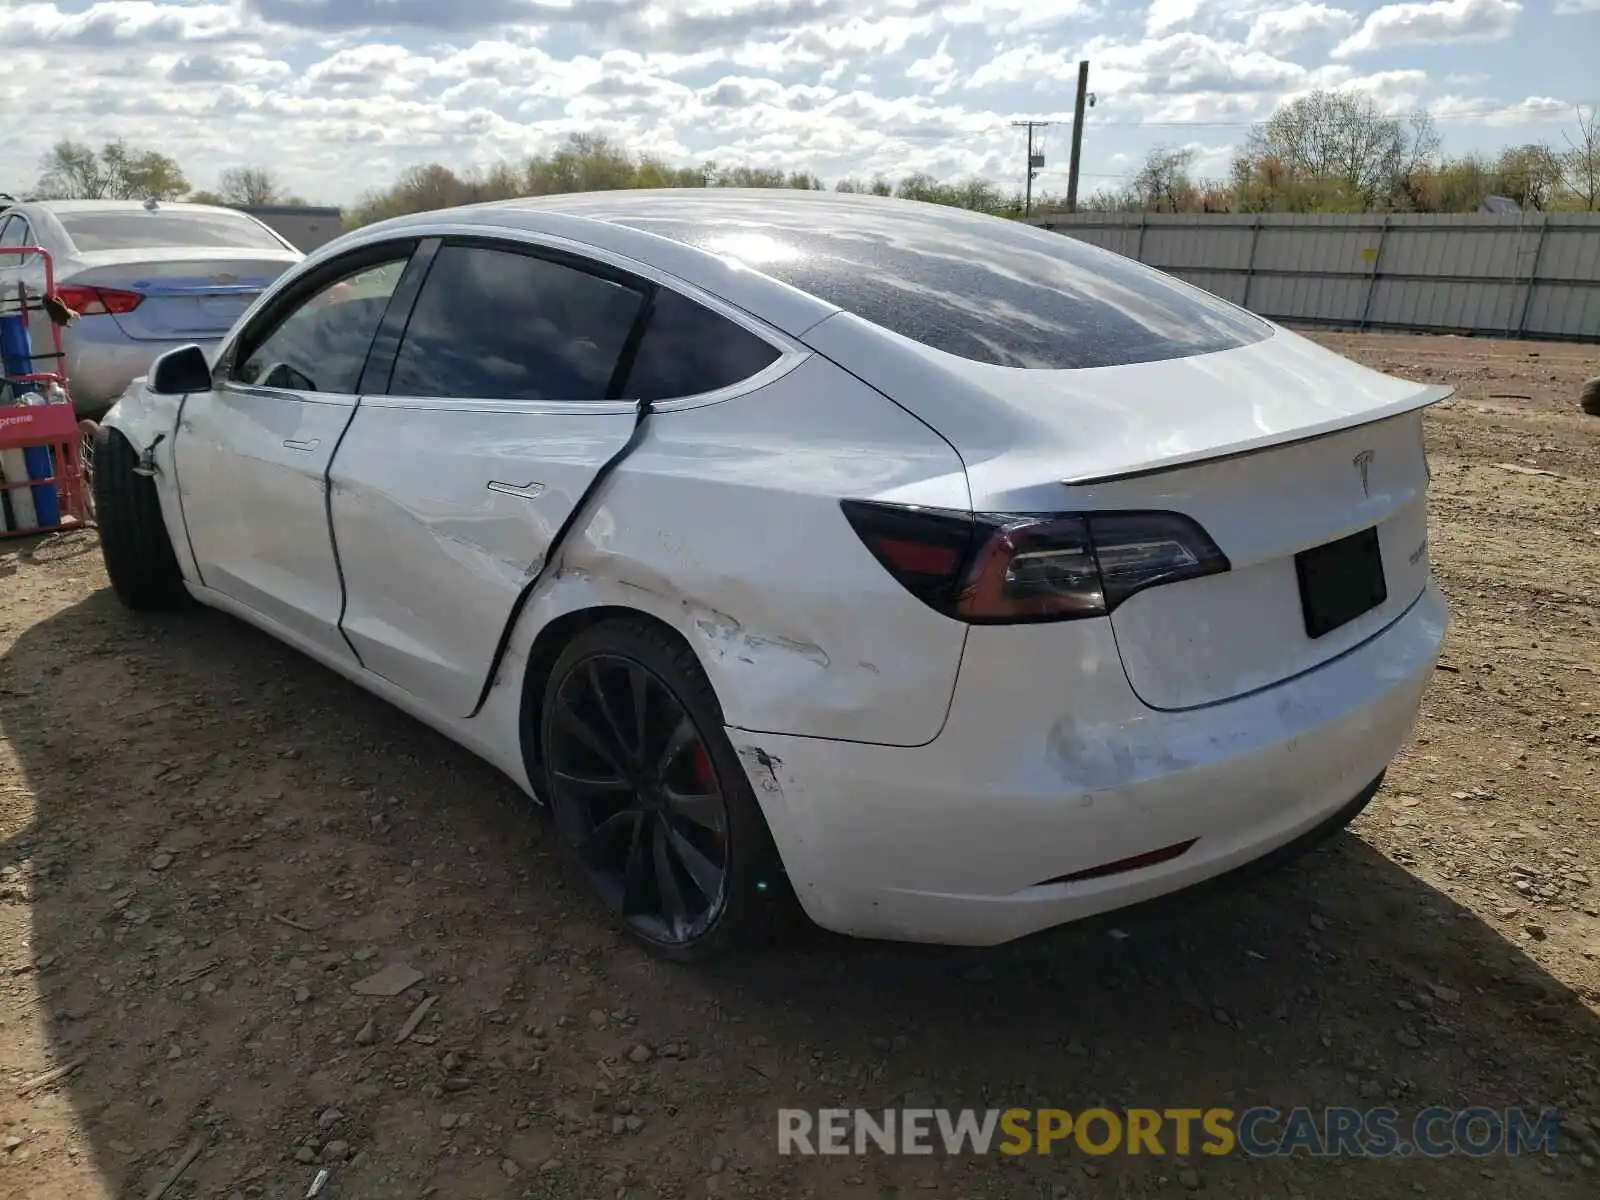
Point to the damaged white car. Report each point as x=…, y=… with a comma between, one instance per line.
x=951, y=576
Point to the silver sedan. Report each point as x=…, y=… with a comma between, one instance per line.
x=142, y=276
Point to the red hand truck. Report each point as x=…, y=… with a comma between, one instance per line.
x=52, y=427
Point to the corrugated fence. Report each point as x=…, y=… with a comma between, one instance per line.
x=1533, y=275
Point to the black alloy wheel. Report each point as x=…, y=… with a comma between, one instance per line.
x=639, y=799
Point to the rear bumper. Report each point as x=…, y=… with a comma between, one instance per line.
x=1043, y=773
x=102, y=361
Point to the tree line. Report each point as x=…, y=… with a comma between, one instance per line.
x=1327, y=152
x=1336, y=152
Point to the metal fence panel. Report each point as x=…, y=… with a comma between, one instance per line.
x=1530, y=274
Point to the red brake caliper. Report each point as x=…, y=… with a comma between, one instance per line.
x=705, y=778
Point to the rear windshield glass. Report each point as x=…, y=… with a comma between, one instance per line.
x=990, y=290
x=140, y=230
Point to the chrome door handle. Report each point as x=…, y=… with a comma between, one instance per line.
x=526, y=491
x=293, y=444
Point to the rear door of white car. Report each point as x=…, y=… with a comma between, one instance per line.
x=454, y=478
x=252, y=455
x=510, y=391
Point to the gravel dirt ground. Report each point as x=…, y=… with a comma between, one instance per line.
x=206, y=840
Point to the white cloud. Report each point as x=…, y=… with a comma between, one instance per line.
x=1163, y=16
x=1205, y=16
x=1568, y=8
x=938, y=69
x=997, y=17
x=1396, y=93
x=237, y=66
x=1528, y=111
x=1187, y=62
x=1279, y=31
x=120, y=22
x=1432, y=22
x=1019, y=63
x=363, y=70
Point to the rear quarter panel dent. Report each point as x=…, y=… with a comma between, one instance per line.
x=725, y=524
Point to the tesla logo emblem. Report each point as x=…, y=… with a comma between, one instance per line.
x=1363, y=463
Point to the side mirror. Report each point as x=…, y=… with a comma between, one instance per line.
x=180, y=371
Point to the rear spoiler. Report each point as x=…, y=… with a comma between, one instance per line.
x=1422, y=398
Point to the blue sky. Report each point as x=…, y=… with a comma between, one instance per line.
x=339, y=95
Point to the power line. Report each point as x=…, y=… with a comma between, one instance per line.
x=1055, y=172
x=1100, y=123
x=1177, y=124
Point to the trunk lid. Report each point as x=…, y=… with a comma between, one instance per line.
x=1275, y=449
x=188, y=292
x=1279, y=515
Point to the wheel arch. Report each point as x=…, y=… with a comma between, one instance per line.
x=552, y=638
x=149, y=424
x=140, y=416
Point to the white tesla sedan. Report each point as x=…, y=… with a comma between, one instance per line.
x=955, y=577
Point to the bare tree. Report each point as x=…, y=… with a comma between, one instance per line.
x=1163, y=183
x=1580, y=162
x=249, y=185
x=1529, y=174
x=1415, y=153
x=1345, y=137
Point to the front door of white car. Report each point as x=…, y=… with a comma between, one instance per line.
x=252, y=455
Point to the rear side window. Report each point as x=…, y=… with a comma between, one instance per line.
x=990, y=290
x=15, y=233
x=497, y=325
x=165, y=228
x=687, y=349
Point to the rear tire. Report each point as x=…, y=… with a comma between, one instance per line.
x=134, y=542
x=651, y=803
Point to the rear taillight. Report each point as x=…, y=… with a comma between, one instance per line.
x=90, y=301
x=998, y=568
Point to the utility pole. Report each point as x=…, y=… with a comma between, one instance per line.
x=1035, y=161
x=1077, y=135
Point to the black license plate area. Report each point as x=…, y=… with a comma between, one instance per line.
x=1340, y=580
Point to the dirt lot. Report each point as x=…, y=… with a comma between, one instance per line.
x=205, y=840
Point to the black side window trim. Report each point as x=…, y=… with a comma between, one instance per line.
x=645, y=288
x=286, y=302
x=385, y=349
